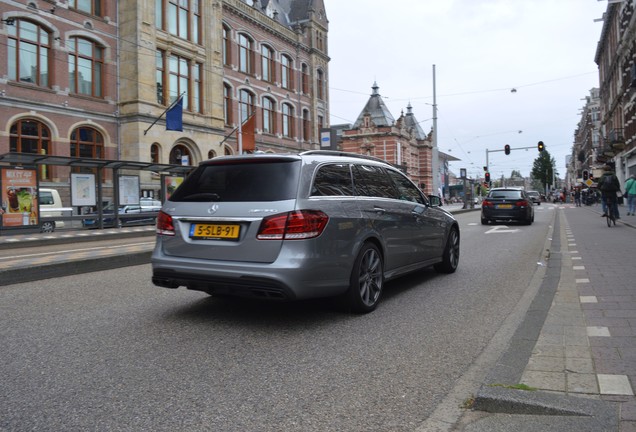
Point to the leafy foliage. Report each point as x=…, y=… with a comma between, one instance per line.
x=543, y=169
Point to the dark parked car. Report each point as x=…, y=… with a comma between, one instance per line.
x=534, y=196
x=126, y=216
x=289, y=227
x=507, y=204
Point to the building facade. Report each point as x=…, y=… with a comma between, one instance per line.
x=94, y=79
x=58, y=81
x=616, y=60
x=400, y=142
x=275, y=68
x=587, y=139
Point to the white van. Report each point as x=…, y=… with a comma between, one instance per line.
x=50, y=206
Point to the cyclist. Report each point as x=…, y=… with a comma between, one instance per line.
x=609, y=186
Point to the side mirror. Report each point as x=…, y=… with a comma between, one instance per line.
x=435, y=201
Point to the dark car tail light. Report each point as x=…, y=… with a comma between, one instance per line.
x=522, y=203
x=165, y=225
x=486, y=203
x=294, y=225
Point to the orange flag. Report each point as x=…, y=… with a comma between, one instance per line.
x=248, y=134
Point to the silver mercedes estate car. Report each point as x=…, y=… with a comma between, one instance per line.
x=300, y=226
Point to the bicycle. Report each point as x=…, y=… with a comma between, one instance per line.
x=610, y=215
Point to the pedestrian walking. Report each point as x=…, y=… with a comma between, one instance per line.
x=577, y=196
x=630, y=192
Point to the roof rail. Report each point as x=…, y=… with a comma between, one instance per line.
x=341, y=153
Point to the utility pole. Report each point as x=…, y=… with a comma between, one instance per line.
x=435, y=155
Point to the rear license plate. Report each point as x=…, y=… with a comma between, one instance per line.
x=504, y=206
x=215, y=231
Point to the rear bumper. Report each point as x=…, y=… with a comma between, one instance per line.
x=497, y=214
x=285, y=279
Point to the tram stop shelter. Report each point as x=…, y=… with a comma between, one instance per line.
x=28, y=161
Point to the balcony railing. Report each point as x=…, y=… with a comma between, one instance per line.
x=616, y=139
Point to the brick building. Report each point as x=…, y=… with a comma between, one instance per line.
x=616, y=60
x=58, y=81
x=89, y=78
x=401, y=142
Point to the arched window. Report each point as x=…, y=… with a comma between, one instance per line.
x=227, y=45
x=86, y=67
x=267, y=63
x=211, y=154
x=246, y=105
x=288, y=120
x=154, y=154
x=87, y=142
x=246, y=54
x=31, y=136
x=180, y=154
x=227, y=104
x=28, y=48
x=269, y=116
x=286, y=76
x=320, y=84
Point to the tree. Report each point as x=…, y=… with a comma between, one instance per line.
x=543, y=168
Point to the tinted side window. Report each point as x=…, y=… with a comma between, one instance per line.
x=407, y=190
x=46, y=198
x=241, y=181
x=374, y=182
x=333, y=180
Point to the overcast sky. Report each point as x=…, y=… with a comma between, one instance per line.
x=481, y=49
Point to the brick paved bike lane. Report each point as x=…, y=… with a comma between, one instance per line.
x=604, y=263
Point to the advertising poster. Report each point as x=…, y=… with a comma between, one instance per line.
x=19, y=197
x=128, y=190
x=170, y=184
x=83, y=190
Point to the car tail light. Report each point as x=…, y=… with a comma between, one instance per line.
x=294, y=225
x=486, y=203
x=522, y=203
x=165, y=225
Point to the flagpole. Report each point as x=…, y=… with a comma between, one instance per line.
x=165, y=111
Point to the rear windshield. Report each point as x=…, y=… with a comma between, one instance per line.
x=506, y=194
x=241, y=181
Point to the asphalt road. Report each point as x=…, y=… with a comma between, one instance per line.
x=109, y=351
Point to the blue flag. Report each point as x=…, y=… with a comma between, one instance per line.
x=174, y=116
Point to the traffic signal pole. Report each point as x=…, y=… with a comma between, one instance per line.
x=509, y=149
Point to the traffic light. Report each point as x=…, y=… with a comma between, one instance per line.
x=487, y=175
x=507, y=149
x=540, y=146
x=585, y=175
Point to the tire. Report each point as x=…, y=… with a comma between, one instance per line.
x=484, y=221
x=450, y=258
x=47, y=227
x=367, y=280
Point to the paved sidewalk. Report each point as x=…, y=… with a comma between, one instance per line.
x=583, y=362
